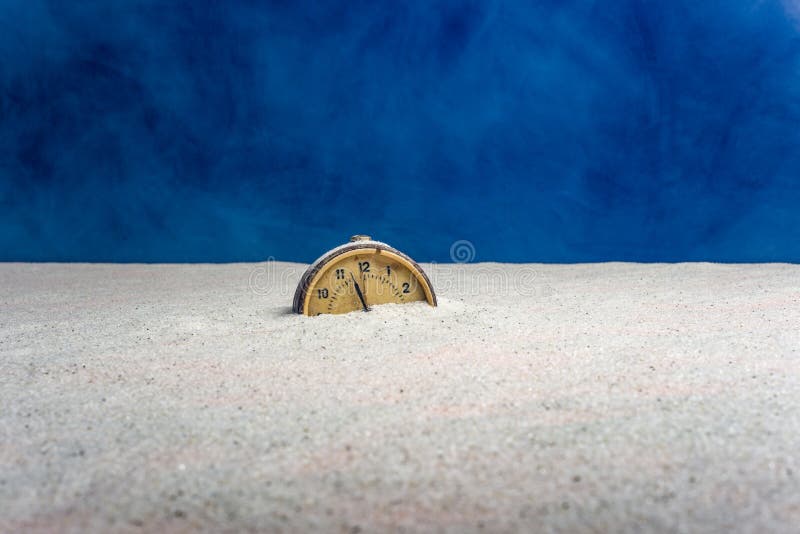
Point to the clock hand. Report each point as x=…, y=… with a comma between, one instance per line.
x=360, y=294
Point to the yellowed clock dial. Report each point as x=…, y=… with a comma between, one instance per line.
x=360, y=276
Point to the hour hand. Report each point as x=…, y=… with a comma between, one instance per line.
x=359, y=293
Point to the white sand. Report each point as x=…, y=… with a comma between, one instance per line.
x=615, y=397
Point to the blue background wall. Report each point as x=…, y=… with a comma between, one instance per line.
x=563, y=130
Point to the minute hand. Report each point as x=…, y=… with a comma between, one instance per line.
x=360, y=294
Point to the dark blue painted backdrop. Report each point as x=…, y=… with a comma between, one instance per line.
x=545, y=130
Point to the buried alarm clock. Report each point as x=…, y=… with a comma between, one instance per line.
x=358, y=275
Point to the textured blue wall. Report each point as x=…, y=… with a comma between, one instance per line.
x=563, y=130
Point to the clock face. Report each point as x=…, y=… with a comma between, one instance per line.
x=360, y=278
